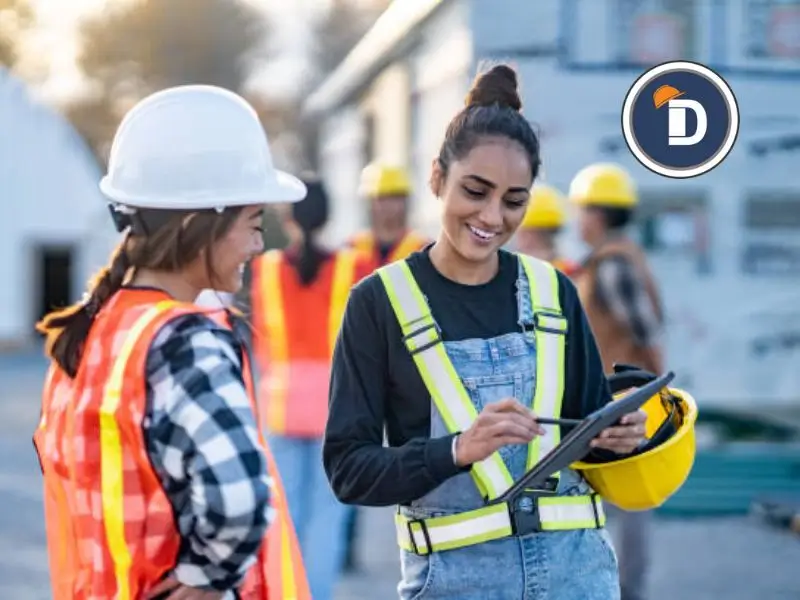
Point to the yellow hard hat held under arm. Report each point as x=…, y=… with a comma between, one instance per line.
x=646, y=478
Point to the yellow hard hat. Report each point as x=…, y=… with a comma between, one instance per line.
x=384, y=180
x=648, y=478
x=545, y=209
x=603, y=184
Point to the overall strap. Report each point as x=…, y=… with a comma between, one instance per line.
x=550, y=329
x=423, y=340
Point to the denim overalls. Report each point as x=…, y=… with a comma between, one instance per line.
x=556, y=565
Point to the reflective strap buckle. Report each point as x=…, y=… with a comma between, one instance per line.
x=599, y=521
x=550, y=321
x=423, y=528
x=524, y=509
x=524, y=514
x=432, y=336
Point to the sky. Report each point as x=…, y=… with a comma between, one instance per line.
x=55, y=39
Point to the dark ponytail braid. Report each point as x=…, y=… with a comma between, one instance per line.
x=68, y=328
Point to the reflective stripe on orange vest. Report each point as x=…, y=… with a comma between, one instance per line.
x=343, y=279
x=111, y=530
x=111, y=468
x=296, y=330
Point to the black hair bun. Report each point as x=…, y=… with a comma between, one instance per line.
x=498, y=85
x=311, y=212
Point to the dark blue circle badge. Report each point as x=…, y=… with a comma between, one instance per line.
x=680, y=119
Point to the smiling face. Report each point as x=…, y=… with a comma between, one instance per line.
x=220, y=265
x=484, y=197
x=233, y=250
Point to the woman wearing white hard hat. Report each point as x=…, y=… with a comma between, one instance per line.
x=158, y=483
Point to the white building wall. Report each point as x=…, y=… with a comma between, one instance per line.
x=441, y=77
x=342, y=142
x=410, y=103
x=49, y=188
x=389, y=103
x=573, y=130
x=713, y=317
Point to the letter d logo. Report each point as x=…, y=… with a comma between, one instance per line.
x=660, y=131
x=677, y=122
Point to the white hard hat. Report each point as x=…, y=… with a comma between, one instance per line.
x=194, y=147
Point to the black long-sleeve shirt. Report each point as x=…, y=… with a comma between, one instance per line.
x=375, y=383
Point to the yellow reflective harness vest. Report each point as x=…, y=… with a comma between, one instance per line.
x=491, y=476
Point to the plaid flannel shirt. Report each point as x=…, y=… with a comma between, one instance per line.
x=202, y=439
x=620, y=289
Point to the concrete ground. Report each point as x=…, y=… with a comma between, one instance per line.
x=731, y=559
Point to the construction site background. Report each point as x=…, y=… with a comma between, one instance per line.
x=338, y=83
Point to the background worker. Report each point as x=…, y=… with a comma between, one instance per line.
x=538, y=233
x=387, y=189
x=157, y=481
x=624, y=310
x=298, y=297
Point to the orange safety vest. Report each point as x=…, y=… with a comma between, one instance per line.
x=295, y=331
x=367, y=247
x=566, y=266
x=110, y=526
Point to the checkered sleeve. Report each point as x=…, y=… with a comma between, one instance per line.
x=203, y=442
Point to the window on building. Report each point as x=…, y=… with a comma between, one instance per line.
x=772, y=211
x=772, y=29
x=648, y=32
x=771, y=224
x=54, y=266
x=676, y=226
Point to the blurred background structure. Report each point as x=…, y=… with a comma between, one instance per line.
x=338, y=83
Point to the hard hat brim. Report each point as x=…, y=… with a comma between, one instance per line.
x=689, y=420
x=282, y=188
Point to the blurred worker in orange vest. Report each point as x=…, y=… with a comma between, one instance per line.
x=387, y=189
x=543, y=221
x=298, y=297
x=624, y=310
x=157, y=482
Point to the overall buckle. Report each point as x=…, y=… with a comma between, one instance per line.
x=524, y=508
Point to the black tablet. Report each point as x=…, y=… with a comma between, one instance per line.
x=576, y=444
